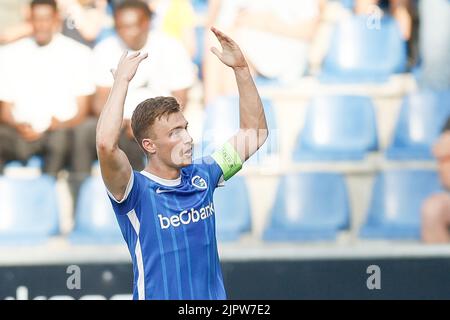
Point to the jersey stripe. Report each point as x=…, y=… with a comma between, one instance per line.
x=213, y=254
x=160, y=244
x=138, y=254
x=208, y=270
x=177, y=257
x=188, y=252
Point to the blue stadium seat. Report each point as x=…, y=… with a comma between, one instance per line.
x=337, y=128
x=200, y=43
x=221, y=122
x=95, y=220
x=397, y=198
x=349, y=4
x=200, y=6
x=29, y=212
x=34, y=162
x=232, y=209
x=309, y=206
x=420, y=122
x=361, y=50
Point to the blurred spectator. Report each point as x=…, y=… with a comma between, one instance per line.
x=176, y=18
x=403, y=11
x=83, y=20
x=434, y=43
x=436, y=209
x=167, y=71
x=46, y=85
x=274, y=35
x=399, y=9
x=12, y=20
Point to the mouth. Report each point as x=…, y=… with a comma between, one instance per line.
x=188, y=152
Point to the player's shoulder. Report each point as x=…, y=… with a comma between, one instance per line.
x=140, y=178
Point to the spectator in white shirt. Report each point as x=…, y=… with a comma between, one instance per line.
x=46, y=88
x=275, y=38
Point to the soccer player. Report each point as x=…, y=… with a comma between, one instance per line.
x=166, y=212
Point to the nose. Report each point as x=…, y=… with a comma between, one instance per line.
x=190, y=140
x=187, y=139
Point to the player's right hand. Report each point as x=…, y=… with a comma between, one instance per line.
x=127, y=67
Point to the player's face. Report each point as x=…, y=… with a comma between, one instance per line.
x=132, y=27
x=44, y=20
x=173, y=141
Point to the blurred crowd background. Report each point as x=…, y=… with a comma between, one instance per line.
x=357, y=95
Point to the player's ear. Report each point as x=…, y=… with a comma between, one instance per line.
x=149, y=145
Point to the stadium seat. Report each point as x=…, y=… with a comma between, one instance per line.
x=232, y=209
x=35, y=162
x=200, y=6
x=337, y=128
x=221, y=122
x=198, y=56
x=397, y=198
x=309, y=207
x=95, y=220
x=29, y=211
x=362, y=50
x=420, y=122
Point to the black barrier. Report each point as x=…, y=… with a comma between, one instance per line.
x=393, y=278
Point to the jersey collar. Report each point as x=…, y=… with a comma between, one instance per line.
x=161, y=181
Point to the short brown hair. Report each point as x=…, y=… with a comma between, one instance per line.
x=134, y=4
x=51, y=3
x=148, y=111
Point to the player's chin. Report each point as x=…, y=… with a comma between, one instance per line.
x=184, y=160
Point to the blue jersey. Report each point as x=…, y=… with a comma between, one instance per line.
x=170, y=232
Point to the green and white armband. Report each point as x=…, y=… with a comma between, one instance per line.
x=228, y=160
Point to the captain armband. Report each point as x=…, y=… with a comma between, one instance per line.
x=228, y=160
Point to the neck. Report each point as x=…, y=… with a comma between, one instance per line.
x=161, y=170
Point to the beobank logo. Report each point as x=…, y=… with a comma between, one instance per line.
x=186, y=217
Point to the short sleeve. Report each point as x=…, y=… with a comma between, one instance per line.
x=102, y=67
x=5, y=74
x=213, y=170
x=131, y=196
x=180, y=70
x=83, y=74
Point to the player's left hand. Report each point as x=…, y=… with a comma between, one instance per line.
x=231, y=54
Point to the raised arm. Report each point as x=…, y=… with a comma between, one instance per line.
x=253, y=130
x=115, y=167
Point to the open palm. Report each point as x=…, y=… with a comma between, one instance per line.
x=231, y=54
x=127, y=66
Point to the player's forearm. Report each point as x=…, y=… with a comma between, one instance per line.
x=251, y=111
x=110, y=120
